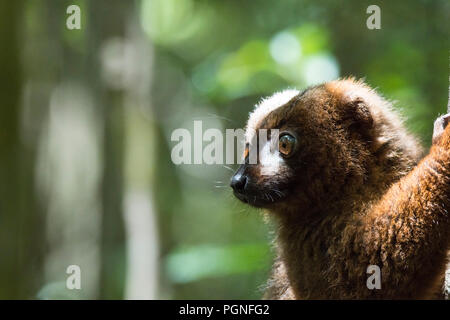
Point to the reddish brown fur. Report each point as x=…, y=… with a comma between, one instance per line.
x=362, y=200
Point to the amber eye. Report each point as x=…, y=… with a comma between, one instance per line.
x=287, y=145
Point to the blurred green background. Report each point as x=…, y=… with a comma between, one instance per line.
x=86, y=118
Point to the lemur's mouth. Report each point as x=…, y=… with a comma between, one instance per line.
x=248, y=192
x=258, y=200
x=241, y=196
x=252, y=200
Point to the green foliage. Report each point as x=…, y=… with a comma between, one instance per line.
x=206, y=261
x=208, y=60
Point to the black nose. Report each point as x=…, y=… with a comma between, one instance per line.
x=238, y=182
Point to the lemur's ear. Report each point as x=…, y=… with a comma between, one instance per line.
x=360, y=111
x=357, y=115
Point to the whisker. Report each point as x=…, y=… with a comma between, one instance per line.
x=212, y=115
x=228, y=168
x=215, y=116
x=278, y=192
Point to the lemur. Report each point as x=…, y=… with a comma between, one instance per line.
x=350, y=189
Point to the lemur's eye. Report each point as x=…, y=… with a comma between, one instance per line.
x=287, y=145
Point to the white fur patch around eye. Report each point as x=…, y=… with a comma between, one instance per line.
x=263, y=108
x=269, y=160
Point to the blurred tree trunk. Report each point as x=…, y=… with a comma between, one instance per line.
x=21, y=235
x=109, y=19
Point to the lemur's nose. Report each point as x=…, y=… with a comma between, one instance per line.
x=238, y=182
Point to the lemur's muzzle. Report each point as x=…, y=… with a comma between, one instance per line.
x=239, y=180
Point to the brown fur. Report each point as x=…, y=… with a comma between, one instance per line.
x=357, y=196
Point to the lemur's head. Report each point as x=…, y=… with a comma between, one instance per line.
x=334, y=140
